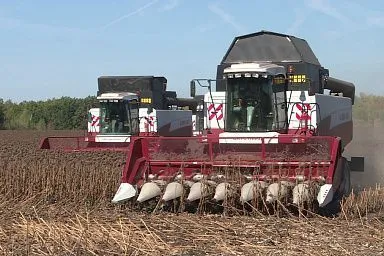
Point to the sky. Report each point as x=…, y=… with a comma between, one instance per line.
x=50, y=49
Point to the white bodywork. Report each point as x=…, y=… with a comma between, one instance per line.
x=325, y=111
x=148, y=122
x=318, y=106
x=254, y=69
x=151, y=123
x=194, y=123
x=214, y=110
x=293, y=97
x=115, y=96
x=297, y=100
x=339, y=108
x=249, y=138
x=94, y=122
x=112, y=138
x=322, y=108
x=249, y=70
x=197, y=130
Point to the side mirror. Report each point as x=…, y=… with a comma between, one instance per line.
x=193, y=88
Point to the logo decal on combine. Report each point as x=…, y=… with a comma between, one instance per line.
x=93, y=120
x=150, y=120
x=303, y=111
x=215, y=111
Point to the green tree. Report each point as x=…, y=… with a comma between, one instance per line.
x=62, y=113
x=2, y=114
x=368, y=108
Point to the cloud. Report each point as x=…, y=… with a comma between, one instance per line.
x=125, y=16
x=172, y=4
x=324, y=7
x=227, y=18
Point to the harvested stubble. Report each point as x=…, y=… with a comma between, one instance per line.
x=81, y=178
x=138, y=234
x=59, y=204
x=366, y=202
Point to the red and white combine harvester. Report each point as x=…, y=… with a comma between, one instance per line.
x=130, y=106
x=275, y=127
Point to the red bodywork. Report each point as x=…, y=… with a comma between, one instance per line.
x=292, y=156
x=80, y=143
x=298, y=153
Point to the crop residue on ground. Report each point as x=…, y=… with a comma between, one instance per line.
x=55, y=203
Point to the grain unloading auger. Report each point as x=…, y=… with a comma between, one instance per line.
x=271, y=133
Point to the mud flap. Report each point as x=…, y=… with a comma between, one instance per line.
x=342, y=178
x=341, y=187
x=345, y=186
x=356, y=164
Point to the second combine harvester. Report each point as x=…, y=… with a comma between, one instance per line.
x=271, y=130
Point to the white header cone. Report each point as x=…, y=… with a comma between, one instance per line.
x=173, y=191
x=250, y=189
x=221, y=191
x=125, y=192
x=300, y=193
x=148, y=191
x=195, y=192
x=276, y=191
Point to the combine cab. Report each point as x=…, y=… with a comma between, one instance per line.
x=130, y=106
x=271, y=135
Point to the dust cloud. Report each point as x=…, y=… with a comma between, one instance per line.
x=368, y=141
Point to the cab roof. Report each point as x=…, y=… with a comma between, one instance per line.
x=267, y=46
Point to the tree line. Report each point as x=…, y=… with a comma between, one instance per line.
x=64, y=113
x=68, y=113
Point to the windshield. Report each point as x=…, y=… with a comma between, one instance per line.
x=252, y=105
x=119, y=117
